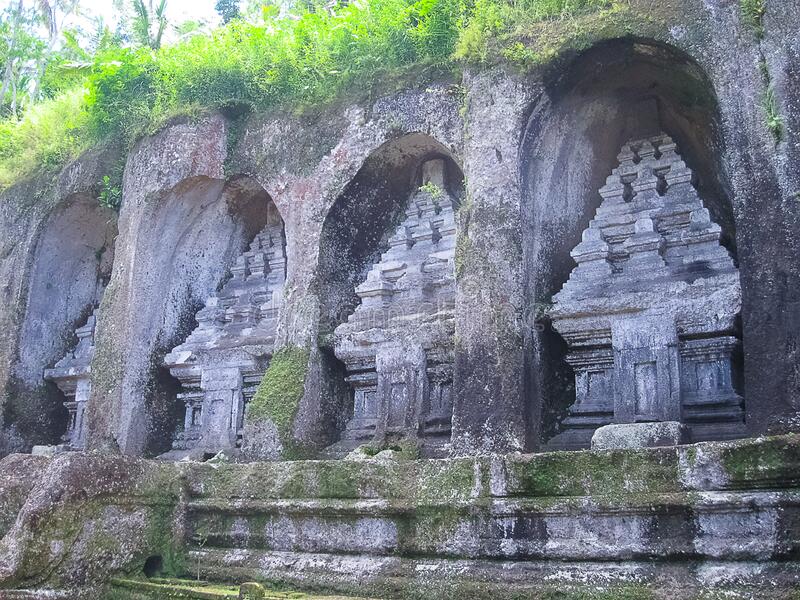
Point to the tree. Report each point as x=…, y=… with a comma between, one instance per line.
x=149, y=22
x=12, y=34
x=191, y=28
x=228, y=10
x=20, y=52
x=54, y=14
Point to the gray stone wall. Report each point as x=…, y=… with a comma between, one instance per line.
x=533, y=148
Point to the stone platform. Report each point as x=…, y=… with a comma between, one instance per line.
x=720, y=517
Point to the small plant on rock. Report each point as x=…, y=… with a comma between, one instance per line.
x=753, y=12
x=773, y=114
x=110, y=194
x=433, y=190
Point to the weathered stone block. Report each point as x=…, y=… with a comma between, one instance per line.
x=639, y=435
x=49, y=451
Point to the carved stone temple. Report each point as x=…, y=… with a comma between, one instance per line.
x=222, y=361
x=649, y=313
x=398, y=344
x=72, y=375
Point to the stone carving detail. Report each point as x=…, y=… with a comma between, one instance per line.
x=649, y=312
x=72, y=375
x=398, y=344
x=222, y=361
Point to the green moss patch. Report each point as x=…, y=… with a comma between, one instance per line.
x=281, y=389
x=765, y=462
x=613, y=474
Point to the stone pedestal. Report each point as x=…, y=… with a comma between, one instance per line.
x=639, y=435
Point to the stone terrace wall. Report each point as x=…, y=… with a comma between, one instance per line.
x=715, y=516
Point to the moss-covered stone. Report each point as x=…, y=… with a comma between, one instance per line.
x=609, y=473
x=272, y=412
x=766, y=461
x=281, y=389
x=446, y=481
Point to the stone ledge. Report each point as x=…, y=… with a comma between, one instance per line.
x=175, y=589
x=442, y=579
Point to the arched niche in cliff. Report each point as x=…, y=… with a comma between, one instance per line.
x=70, y=267
x=185, y=243
x=614, y=92
x=358, y=225
x=396, y=194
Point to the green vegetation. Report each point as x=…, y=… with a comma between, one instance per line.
x=47, y=136
x=122, y=86
x=753, y=12
x=111, y=194
x=526, y=32
x=433, y=190
x=280, y=390
x=773, y=114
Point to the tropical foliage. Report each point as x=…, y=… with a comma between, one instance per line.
x=93, y=83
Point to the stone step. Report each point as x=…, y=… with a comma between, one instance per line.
x=567, y=528
x=435, y=578
x=36, y=595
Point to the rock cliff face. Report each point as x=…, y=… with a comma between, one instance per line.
x=57, y=253
x=193, y=200
x=527, y=153
x=443, y=270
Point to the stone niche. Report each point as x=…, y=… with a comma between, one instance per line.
x=649, y=313
x=223, y=360
x=397, y=347
x=72, y=375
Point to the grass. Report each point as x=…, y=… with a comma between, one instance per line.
x=305, y=60
x=773, y=114
x=498, y=30
x=46, y=137
x=753, y=12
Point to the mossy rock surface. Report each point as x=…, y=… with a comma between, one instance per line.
x=271, y=414
x=185, y=589
x=281, y=389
